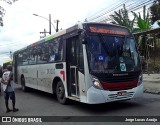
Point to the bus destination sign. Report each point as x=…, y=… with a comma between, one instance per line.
x=109, y=30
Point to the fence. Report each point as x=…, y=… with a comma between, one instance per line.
x=149, y=47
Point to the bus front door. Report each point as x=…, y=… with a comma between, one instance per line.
x=72, y=67
x=15, y=69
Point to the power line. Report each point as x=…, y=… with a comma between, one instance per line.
x=115, y=8
x=133, y=7
x=141, y=5
x=107, y=8
x=110, y=10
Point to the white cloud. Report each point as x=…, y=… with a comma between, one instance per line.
x=21, y=27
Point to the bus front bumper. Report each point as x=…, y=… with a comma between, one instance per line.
x=97, y=96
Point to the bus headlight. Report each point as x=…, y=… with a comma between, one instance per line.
x=140, y=80
x=96, y=82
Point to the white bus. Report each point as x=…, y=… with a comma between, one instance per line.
x=89, y=62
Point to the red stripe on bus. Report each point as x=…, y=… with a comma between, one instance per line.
x=119, y=86
x=62, y=72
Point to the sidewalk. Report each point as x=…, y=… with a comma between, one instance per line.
x=151, y=83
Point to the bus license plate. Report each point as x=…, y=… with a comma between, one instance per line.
x=121, y=93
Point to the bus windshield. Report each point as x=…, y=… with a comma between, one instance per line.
x=110, y=54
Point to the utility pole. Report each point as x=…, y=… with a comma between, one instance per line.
x=57, y=22
x=50, y=24
x=44, y=32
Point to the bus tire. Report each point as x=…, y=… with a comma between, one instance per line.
x=23, y=86
x=60, y=93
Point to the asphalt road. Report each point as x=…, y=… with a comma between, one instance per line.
x=37, y=103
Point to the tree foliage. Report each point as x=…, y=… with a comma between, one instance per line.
x=144, y=22
x=122, y=18
x=2, y=10
x=141, y=22
x=155, y=11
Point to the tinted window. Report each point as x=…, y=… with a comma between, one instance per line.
x=32, y=55
x=42, y=51
x=24, y=57
x=112, y=53
x=55, y=50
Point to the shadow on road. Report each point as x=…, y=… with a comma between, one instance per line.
x=106, y=107
x=88, y=108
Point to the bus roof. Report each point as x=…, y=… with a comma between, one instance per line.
x=57, y=34
x=68, y=30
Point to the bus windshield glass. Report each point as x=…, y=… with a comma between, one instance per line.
x=108, y=53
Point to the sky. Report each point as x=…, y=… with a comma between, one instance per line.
x=22, y=28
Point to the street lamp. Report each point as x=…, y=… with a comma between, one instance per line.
x=50, y=23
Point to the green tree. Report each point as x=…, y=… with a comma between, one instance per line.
x=155, y=11
x=122, y=18
x=144, y=22
x=2, y=10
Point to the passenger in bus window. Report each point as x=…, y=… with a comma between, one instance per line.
x=98, y=63
x=52, y=56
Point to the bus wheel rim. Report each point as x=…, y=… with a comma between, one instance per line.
x=61, y=92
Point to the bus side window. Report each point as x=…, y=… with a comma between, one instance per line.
x=41, y=54
x=32, y=55
x=20, y=61
x=25, y=57
x=46, y=51
x=56, y=50
x=60, y=51
x=51, y=52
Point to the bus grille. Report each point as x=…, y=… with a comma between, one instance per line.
x=120, y=85
x=115, y=96
x=117, y=79
x=115, y=82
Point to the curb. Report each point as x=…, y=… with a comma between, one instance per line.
x=154, y=81
x=152, y=91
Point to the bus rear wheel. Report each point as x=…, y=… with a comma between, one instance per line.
x=23, y=86
x=60, y=92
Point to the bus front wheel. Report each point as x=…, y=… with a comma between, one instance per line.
x=60, y=92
